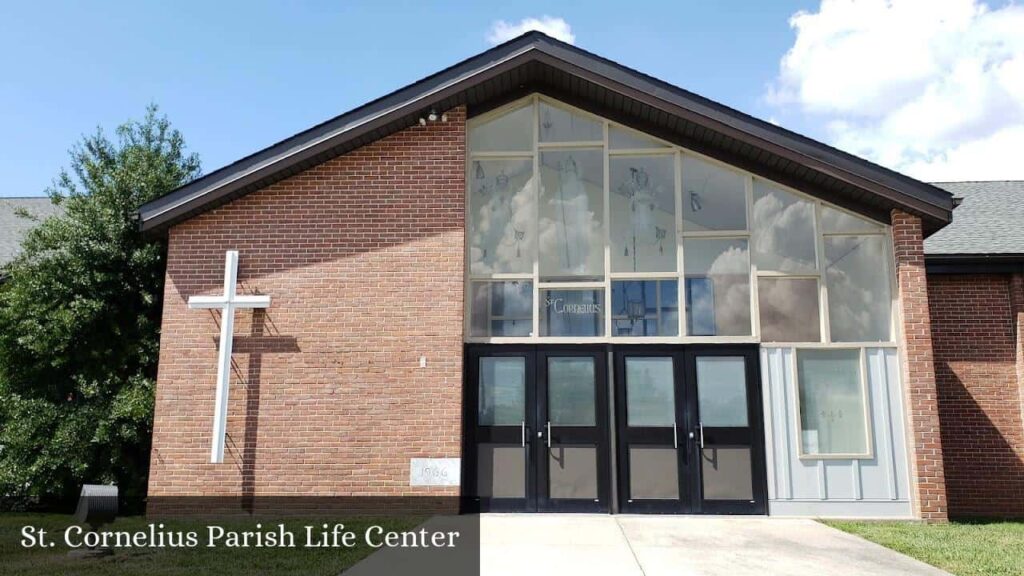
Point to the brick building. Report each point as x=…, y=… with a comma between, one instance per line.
x=539, y=280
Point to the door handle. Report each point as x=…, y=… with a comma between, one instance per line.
x=701, y=424
x=522, y=433
x=675, y=436
x=549, y=433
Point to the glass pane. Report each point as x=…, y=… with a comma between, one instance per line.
x=572, y=312
x=783, y=238
x=717, y=287
x=502, y=391
x=572, y=472
x=645, y=308
x=572, y=215
x=713, y=198
x=501, y=471
x=501, y=308
x=623, y=139
x=571, y=391
x=642, y=201
x=511, y=132
x=722, y=390
x=560, y=125
x=726, y=473
x=650, y=392
x=859, y=300
x=789, y=309
x=834, y=220
x=832, y=418
x=653, y=473
x=502, y=216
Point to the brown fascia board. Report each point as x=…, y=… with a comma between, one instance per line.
x=388, y=112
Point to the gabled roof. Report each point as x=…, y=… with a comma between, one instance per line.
x=988, y=224
x=535, y=62
x=13, y=226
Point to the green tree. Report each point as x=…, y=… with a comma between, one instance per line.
x=79, y=321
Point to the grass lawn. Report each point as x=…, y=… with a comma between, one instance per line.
x=964, y=548
x=16, y=560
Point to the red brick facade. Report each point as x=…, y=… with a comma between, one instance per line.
x=926, y=457
x=363, y=259
x=976, y=332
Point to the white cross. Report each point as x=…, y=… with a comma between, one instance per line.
x=227, y=303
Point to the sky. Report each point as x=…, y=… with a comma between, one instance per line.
x=933, y=88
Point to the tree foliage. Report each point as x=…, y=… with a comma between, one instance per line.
x=79, y=321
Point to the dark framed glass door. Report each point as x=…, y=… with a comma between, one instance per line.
x=689, y=431
x=653, y=461
x=572, y=408
x=727, y=430
x=499, y=393
x=536, y=433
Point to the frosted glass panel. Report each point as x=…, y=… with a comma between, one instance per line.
x=501, y=471
x=572, y=472
x=834, y=220
x=501, y=308
x=511, y=132
x=832, y=419
x=653, y=473
x=726, y=473
x=722, y=391
x=650, y=392
x=560, y=125
x=645, y=308
x=859, y=299
x=789, y=309
x=620, y=138
x=714, y=198
x=571, y=391
x=502, y=390
x=572, y=215
x=717, y=287
x=502, y=216
x=783, y=238
x=643, y=213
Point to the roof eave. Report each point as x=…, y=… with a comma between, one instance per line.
x=156, y=216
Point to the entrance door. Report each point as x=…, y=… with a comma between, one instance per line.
x=726, y=430
x=537, y=428
x=688, y=422
x=651, y=412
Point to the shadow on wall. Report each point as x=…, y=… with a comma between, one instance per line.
x=263, y=339
x=984, y=474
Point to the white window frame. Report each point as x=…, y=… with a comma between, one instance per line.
x=678, y=153
x=865, y=406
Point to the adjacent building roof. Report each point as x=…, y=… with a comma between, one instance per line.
x=535, y=62
x=987, y=226
x=13, y=226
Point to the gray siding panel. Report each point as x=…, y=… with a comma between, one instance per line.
x=874, y=487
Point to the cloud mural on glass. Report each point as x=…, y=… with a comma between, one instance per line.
x=783, y=236
x=859, y=297
x=572, y=215
x=643, y=213
x=502, y=224
x=717, y=287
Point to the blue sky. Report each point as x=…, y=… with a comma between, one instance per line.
x=236, y=77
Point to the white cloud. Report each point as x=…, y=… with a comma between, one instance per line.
x=502, y=31
x=933, y=88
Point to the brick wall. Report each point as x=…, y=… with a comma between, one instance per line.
x=363, y=259
x=976, y=321
x=928, y=481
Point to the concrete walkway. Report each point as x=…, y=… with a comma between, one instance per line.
x=573, y=545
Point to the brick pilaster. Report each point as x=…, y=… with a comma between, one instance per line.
x=1017, y=309
x=928, y=479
